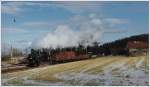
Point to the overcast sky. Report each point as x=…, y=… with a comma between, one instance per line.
x=23, y=23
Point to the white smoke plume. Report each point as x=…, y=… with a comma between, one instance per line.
x=83, y=30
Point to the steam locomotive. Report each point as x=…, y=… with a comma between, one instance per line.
x=37, y=57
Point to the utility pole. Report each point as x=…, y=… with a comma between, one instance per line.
x=4, y=50
x=50, y=57
x=11, y=52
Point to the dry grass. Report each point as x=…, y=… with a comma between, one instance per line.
x=92, y=66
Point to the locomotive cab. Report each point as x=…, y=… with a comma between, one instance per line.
x=33, y=59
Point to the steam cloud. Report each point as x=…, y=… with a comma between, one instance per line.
x=83, y=30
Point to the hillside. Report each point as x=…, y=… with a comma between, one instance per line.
x=123, y=42
x=120, y=44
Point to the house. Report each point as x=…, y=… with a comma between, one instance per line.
x=136, y=48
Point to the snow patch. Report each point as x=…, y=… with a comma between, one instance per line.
x=26, y=81
x=126, y=76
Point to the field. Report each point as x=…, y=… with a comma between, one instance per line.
x=103, y=71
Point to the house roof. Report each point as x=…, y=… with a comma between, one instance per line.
x=137, y=44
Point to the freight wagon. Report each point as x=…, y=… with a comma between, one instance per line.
x=68, y=56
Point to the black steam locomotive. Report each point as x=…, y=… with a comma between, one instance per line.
x=36, y=57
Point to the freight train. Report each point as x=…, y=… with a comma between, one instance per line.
x=36, y=57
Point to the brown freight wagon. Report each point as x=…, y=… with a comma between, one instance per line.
x=83, y=56
x=67, y=56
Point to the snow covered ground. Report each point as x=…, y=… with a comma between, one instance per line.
x=111, y=71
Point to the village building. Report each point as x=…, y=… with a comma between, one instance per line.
x=137, y=48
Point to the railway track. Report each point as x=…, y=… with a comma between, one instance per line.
x=19, y=68
x=13, y=69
